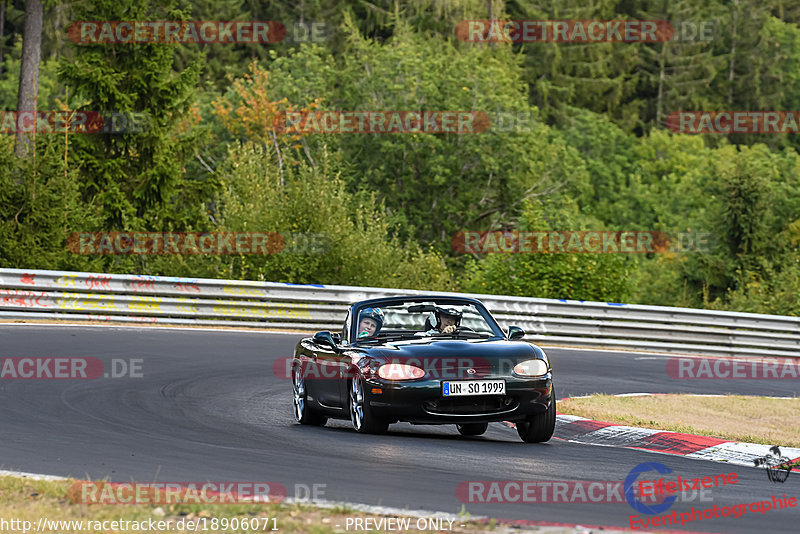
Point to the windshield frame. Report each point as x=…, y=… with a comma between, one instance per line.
x=438, y=300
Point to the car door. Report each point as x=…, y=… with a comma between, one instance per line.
x=329, y=367
x=307, y=361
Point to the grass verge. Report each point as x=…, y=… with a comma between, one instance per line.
x=27, y=500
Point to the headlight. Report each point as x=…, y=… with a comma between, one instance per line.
x=531, y=368
x=400, y=371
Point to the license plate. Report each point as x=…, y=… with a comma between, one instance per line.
x=473, y=387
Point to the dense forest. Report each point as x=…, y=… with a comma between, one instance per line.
x=581, y=140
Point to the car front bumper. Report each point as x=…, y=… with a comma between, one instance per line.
x=422, y=401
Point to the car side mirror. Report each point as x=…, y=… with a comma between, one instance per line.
x=515, y=332
x=324, y=338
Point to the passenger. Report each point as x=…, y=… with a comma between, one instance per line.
x=370, y=322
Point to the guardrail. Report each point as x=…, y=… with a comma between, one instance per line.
x=36, y=294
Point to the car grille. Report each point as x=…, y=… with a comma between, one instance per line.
x=487, y=404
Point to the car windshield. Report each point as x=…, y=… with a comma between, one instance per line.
x=419, y=319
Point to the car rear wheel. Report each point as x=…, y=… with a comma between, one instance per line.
x=538, y=428
x=361, y=415
x=472, y=429
x=304, y=414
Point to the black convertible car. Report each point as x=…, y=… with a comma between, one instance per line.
x=424, y=360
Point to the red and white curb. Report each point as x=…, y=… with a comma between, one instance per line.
x=581, y=430
x=589, y=432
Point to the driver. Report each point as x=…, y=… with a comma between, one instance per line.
x=370, y=322
x=447, y=321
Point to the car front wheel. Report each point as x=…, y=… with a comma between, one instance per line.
x=538, y=428
x=361, y=415
x=302, y=412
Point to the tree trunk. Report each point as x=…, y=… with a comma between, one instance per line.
x=29, y=71
x=491, y=21
x=733, y=51
x=2, y=33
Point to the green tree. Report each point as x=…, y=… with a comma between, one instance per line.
x=40, y=206
x=137, y=178
x=602, y=76
x=678, y=71
x=434, y=184
x=350, y=238
x=29, y=69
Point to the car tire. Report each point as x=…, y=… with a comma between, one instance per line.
x=538, y=428
x=364, y=421
x=472, y=429
x=303, y=413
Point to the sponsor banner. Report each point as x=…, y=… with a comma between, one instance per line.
x=87, y=492
x=579, y=242
x=725, y=369
x=734, y=122
x=383, y=122
x=175, y=31
x=564, y=31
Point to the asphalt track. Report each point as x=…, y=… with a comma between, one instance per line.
x=210, y=408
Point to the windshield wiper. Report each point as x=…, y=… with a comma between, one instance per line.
x=466, y=333
x=386, y=337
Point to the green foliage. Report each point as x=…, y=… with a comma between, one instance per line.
x=354, y=246
x=137, y=178
x=435, y=184
x=602, y=77
x=40, y=206
x=603, y=277
x=675, y=73
x=774, y=292
x=49, y=90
